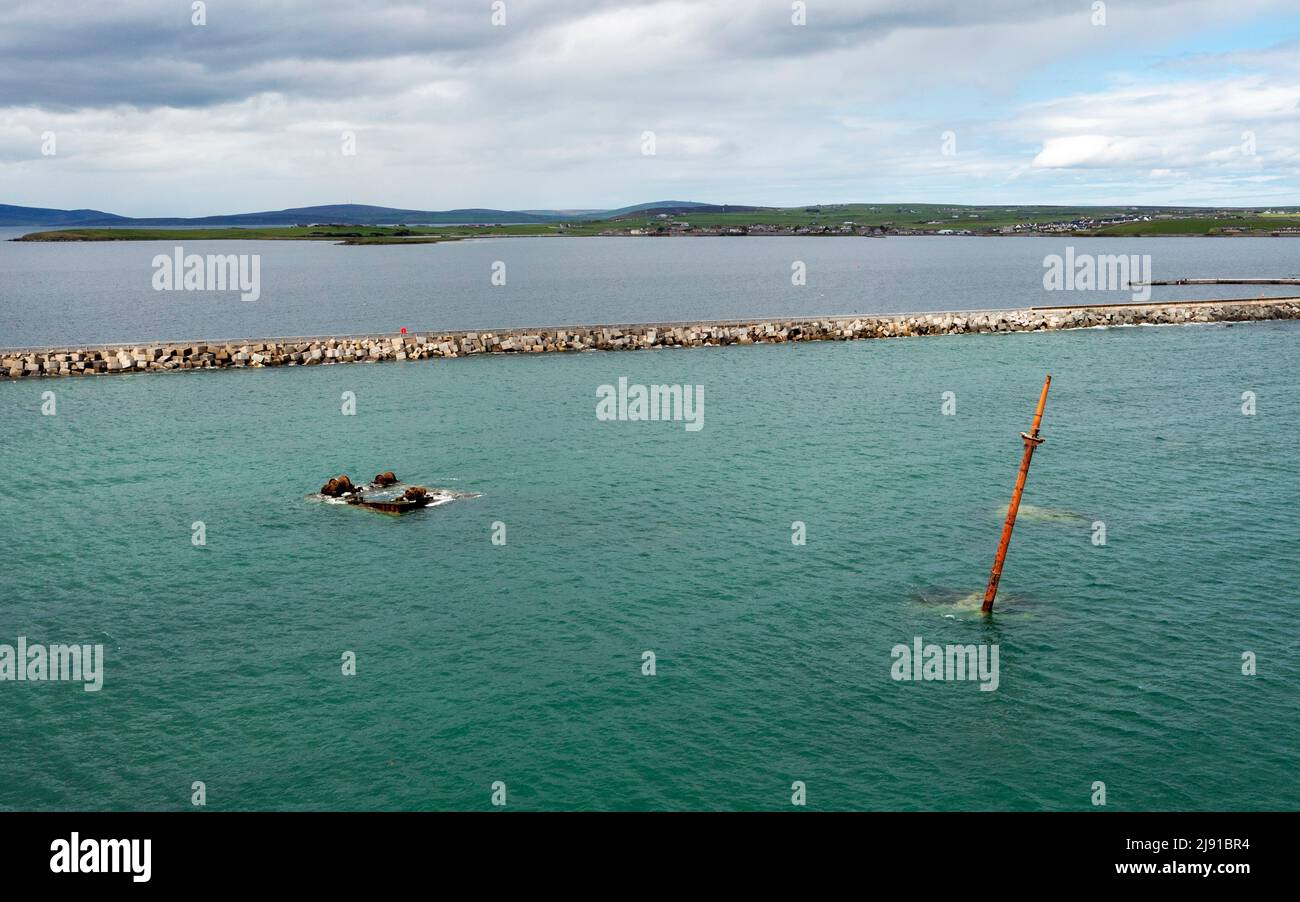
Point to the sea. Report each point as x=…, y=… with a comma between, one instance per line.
x=103, y=292
x=623, y=614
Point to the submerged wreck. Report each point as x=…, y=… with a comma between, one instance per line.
x=410, y=498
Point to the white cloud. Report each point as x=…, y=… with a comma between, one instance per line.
x=156, y=117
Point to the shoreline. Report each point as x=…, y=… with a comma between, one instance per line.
x=168, y=356
x=74, y=236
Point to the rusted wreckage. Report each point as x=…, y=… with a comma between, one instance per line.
x=411, y=498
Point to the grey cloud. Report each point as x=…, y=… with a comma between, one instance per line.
x=149, y=54
x=146, y=53
x=158, y=117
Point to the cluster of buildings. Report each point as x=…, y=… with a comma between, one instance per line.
x=1069, y=226
x=959, y=223
x=680, y=227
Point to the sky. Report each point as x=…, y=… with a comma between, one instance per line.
x=136, y=107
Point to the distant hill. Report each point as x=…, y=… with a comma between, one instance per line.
x=597, y=213
x=355, y=214
x=33, y=216
x=658, y=206
x=347, y=214
x=677, y=208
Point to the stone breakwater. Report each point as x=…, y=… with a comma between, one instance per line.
x=166, y=356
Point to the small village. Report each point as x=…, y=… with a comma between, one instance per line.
x=665, y=225
x=958, y=222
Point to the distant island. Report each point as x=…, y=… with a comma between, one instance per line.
x=362, y=224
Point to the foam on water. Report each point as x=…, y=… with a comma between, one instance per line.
x=440, y=496
x=1043, y=514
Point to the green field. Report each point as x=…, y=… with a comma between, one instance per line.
x=1201, y=225
x=900, y=218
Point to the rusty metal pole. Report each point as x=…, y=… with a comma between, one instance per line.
x=1031, y=441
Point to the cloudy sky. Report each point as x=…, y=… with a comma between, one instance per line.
x=1168, y=101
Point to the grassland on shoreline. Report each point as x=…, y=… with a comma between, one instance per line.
x=257, y=233
x=830, y=219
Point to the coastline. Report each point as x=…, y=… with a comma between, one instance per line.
x=168, y=356
x=356, y=239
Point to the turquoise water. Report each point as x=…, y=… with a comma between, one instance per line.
x=522, y=662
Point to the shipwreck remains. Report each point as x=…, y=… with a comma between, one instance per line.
x=412, y=497
x=1031, y=441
